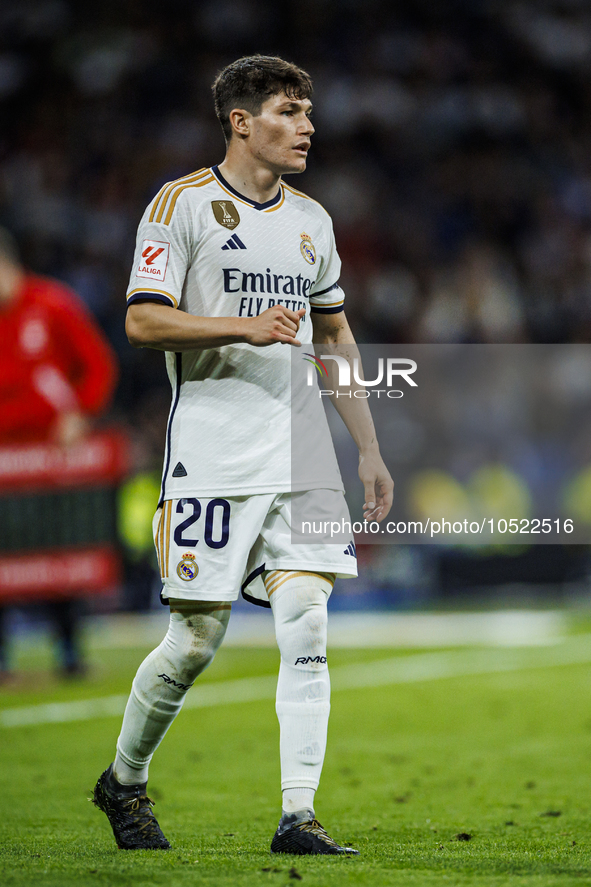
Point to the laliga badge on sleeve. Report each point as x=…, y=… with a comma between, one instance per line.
x=154, y=259
x=187, y=568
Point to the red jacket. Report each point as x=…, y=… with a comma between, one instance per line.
x=53, y=359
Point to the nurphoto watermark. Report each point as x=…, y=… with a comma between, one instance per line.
x=487, y=444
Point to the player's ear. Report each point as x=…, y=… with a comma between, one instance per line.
x=240, y=122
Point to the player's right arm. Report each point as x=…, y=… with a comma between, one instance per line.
x=154, y=325
x=165, y=249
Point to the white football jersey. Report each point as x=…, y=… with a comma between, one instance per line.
x=206, y=249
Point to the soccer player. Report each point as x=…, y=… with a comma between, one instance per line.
x=232, y=265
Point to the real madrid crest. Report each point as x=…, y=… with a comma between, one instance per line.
x=307, y=249
x=225, y=214
x=187, y=568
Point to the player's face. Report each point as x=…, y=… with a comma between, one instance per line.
x=280, y=135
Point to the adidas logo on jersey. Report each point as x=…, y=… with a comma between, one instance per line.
x=350, y=549
x=179, y=470
x=234, y=243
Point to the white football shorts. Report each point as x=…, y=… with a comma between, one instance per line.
x=212, y=548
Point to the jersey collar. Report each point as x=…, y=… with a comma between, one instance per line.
x=260, y=206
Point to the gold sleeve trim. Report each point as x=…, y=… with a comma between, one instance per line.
x=148, y=289
x=175, y=197
x=169, y=185
x=326, y=304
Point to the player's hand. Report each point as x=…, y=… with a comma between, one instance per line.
x=276, y=324
x=379, y=486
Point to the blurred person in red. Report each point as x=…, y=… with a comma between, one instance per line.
x=57, y=372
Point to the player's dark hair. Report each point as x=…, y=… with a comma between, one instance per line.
x=251, y=80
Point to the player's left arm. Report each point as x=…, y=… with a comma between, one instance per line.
x=333, y=329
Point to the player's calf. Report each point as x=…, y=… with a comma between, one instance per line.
x=303, y=688
x=160, y=686
x=195, y=632
x=298, y=600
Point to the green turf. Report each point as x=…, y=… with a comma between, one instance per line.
x=409, y=767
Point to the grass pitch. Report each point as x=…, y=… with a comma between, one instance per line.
x=473, y=779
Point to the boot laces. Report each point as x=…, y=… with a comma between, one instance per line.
x=314, y=828
x=140, y=809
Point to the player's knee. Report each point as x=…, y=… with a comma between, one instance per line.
x=302, y=639
x=294, y=601
x=197, y=656
x=313, y=624
x=204, y=638
x=193, y=640
x=311, y=612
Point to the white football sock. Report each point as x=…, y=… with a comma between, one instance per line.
x=195, y=632
x=296, y=799
x=298, y=601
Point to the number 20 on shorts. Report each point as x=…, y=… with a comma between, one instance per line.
x=217, y=523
